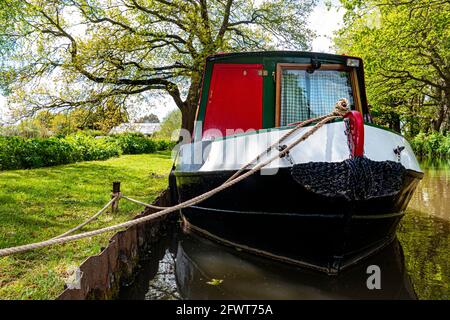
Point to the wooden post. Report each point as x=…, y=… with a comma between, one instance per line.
x=115, y=192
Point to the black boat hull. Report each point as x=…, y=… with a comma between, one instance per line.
x=275, y=216
x=249, y=277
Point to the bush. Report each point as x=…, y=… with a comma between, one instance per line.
x=87, y=148
x=162, y=144
x=435, y=145
x=170, y=125
x=133, y=143
x=22, y=153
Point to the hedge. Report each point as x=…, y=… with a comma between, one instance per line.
x=22, y=153
x=435, y=145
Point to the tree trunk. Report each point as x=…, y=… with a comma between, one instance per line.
x=188, y=112
x=395, y=122
x=437, y=123
x=442, y=112
x=189, y=106
x=446, y=121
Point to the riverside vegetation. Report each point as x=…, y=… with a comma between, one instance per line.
x=22, y=153
x=41, y=203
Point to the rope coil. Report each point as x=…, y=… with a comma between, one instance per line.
x=341, y=108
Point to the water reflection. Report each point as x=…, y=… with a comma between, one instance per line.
x=425, y=233
x=200, y=264
x=192, y=267
x=185, y=266
x=155, y=279
x=426, y=244
x=433, y=193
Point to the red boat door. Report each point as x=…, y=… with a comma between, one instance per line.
x=234, y=99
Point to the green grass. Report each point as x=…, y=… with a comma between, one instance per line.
x=39, y=204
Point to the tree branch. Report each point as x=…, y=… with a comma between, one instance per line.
x=225, y=21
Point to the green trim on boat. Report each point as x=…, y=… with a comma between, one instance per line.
x=269, y=60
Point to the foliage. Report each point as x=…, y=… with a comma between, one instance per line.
x=118, y=52
x=164, y=144
x=406, y=49
x=149, y=118
x=19, y=152
x=42, y=203
x=432, y=146
x=45, y=124
x=102, y=118
x=135, y=143
x=170, y=126
x=10, y=12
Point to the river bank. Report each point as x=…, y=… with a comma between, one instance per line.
x=39, y=204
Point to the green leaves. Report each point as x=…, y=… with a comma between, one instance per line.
x=78, y=53
x=170, y=126
x=433, y=146
x=406, y=50
x=22, y=153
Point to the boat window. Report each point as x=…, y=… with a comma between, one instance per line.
x=303, y=95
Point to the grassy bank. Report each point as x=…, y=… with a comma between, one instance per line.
x=41, y=203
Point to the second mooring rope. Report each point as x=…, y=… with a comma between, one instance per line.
x=340, y=108
x=88, y=220
x=152, y=206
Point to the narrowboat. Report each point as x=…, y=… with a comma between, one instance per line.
x=332, y=200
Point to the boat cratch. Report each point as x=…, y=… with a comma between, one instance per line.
x=325, y=203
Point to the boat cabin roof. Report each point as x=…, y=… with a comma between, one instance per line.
x=262, y=90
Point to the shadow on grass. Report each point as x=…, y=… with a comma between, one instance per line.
x=61, y=197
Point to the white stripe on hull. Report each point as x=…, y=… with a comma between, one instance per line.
x=328, y=144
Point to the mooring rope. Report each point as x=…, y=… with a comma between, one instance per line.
x=115, y=198
x=340, y=107
x=81, y=225
x=152, y=206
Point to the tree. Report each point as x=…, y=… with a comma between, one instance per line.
x=92, y=50
x=170, y=125
x=103, y=117
x=149, y=118
x=45, y=123
x=406, y=47
x=9, y=14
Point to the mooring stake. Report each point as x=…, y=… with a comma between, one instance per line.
x=115, y=193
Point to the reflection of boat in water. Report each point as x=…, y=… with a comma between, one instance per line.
x=244, y=276
x=338, y=196
x=155, y=279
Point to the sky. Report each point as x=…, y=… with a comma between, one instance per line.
x=322, y=21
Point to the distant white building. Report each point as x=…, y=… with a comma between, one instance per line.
x=144, y=128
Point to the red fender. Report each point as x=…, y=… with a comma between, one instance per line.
x=356, y=137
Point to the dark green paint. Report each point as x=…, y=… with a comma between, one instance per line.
x=269, y=60
x=205, y=91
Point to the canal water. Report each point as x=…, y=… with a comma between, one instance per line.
x=415, y=266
